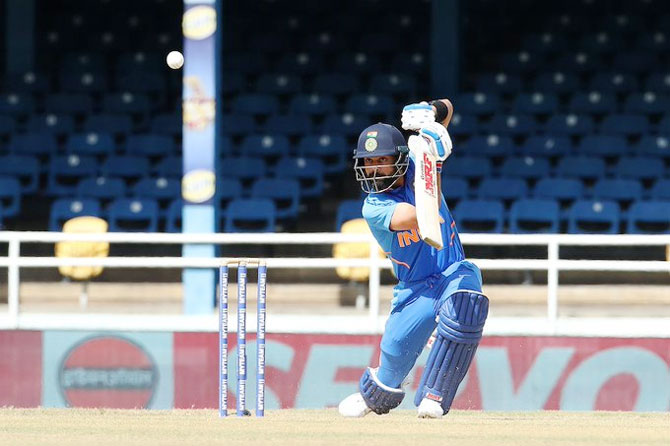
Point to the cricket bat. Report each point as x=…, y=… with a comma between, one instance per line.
x=426, y=194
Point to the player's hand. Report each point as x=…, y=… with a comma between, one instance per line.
x=438, y=139
x=415, y=116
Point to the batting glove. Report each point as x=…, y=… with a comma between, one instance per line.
x=438, y=139
x=415, y=116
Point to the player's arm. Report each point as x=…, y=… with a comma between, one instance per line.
x=404, y=217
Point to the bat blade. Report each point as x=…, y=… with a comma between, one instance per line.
x=426, y=193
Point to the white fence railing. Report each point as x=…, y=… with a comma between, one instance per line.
x=14, y=261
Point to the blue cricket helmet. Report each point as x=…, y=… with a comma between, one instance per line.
x=375, y=141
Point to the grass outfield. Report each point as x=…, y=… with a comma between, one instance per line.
x=99, y=427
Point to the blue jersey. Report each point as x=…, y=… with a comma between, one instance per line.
x=413, y=259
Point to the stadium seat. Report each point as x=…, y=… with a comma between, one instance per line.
x=635, y=62
x=569, y=125
x=25, y=168
x=64, y=172
x=7, y=125
x=658, y=82
x=478, y=103
x=469, y=167
x=51, y=123
x=138, y=62
x=150, y=145
x=227, y=189
x=28, y=82
x=646, y=103
x=535, y=103
x=454, y=190
x=91, y=143
x=345, y=124
x=601, y=42
x=301, y=64
x=312, y=104
x=661, y=189
x=16, y=105
x=336, y=84
x=602, y=145
x=492, y=146
x=128, y=167
x=625, y=125
x=10, y=196
x=169, y=124
x=655, y=146
x=332, y=150
x=83, y=82
x=463, y=125
x=33, y=143
x=118, y=125
x=534, y=216
x=161, y=189
x=545, y=43
x=396, y=85
x=502, y=189
x=639, y=167
x=279, y=84
x=242, y=168
x=69, y=103
x=583, y=167
x=369, y=104
x=270, y=147
x=593, y=217
x=479, y=216
x=527, y=167
x=579, y=62
x=347, y=210
x=565, y=190
x=289, y=125
x=513, y=125
x=593, y=102
x=664, y=126
x=309, y=171
x=556, y=82
x=498, y=83
x=285, y=193
x=250, y=215
x=547, y=146
x=649, y=217
x=237, y=125
x=614, y=83
x=136, y=104
x=173, y=219
x=104, y=189
x=66, y=208
x=133, y=215
x=521, y=62
x=151, y=84
x=623, y=191
x=255, y=104
x=357, y=62
x=169, y=166
x=414, y=63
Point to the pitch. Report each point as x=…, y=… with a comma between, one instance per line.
x=101, y=427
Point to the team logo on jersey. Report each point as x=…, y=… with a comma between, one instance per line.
x=371, y=144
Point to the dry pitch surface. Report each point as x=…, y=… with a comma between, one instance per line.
x=99, y=427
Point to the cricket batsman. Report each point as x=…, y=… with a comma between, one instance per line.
x=436, y=288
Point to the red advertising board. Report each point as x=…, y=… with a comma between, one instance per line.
x=20, y=368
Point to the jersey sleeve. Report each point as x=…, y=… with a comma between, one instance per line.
x=378, y=212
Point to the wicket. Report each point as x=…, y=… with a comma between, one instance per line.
x=242, y=265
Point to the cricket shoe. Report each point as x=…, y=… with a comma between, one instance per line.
x=354, y=406
x=430, y=409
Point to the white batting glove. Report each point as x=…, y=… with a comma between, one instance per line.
x=415, y=116
x=438, y=139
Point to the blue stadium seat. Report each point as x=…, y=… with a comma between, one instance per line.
x=623, y=191
x=380, y=42
x=83, y=82
x=16, y=105
x=250, y=215
x=232, y=83
x=169, y=166
x=7, y=125
x=285, y=193
x=639, y=167
x=51, y=123
x=25, y=168
x=593, y=102
x=655, y=42
x=104, y=189
x=118, y=125
x=32, y=143
x=470, y=167
x=535, y=103
x=527, y=167
x=658, y=82
x=626, y=23
x=242, y=168
x=225, y=146
x=357, y=62
x=601, y=42
x=414, y=63
x=647, y=103
x=635, y=62
x=279, y=84
x=345, y=124
x=583, y=167
x=488, y=145
x=309, y=171
x=556, y=82
x=245, y=63
x=69, y=103
x=128, y=167
x=227, y=189
x=614, y=82
x=548, y=146
x=513, y=125
x=594, y=217
x=138, y=62
x=347, y=210
x=152, y=84
x=454, y=189
x=256, y=104
x=479, y=216
x=336, y=84
x=301, y=63
x=658, y=146
x=173, y=220
x=625, y=125
x=649, y=217
x=463, y=125
x=64, y=173
x=126, y=103
x=267, y=146
x=28, y=82
x=150, y=145
x=664, y=126
x=237, y=125
x=167, y=124
x=661, y=189
x=289, y=125
x=502, y=189
x=332, y=150
x=325, y=41
x=534, y=216
x=92, y=143
x=393, y=84
x=498, y=83
x=564, y=190
x=133, y=215
x=569, y=125
x=66, y=208
x=478, y=103
x=312, y=104
x=545, y=43
x=521, y=62
x=602, y=145
x=161, y=189
x=579, y=62
x=369, y=104
x=10, y=196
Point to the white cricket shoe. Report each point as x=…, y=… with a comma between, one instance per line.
x=430, y=409
x=354, y=406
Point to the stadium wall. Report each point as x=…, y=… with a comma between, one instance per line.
x=162, y=370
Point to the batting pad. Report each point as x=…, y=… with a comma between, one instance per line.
x=379, y=397
x=459, y=331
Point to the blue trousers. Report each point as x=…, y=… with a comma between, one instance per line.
x=415, y=307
